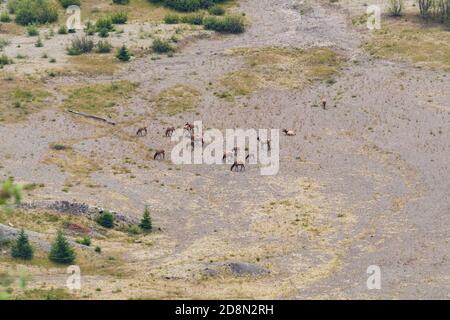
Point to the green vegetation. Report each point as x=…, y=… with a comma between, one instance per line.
x=227, y=24
x=33, y=11
x=162, y=46
x=61, y=251
x=106, y=220
x=122, y=2
x=188, y=5
x=67, y=3
x=21, y=248
x=176, y=99
x=98, y=98
x=10, y=192
x=123, y=54
x=80, y=45
x=119, y=17
x=32, y=30
x=4, y=17
x=4, y=60
x=85, y=241
x=103, y=46
x=146, y=222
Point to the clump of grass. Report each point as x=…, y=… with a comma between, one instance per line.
x=32, y=30
x=176, y=99
x=103, y=46
x=216, y=10
x=425, y=46
x=193, y=18
x=172, y=19
x=62, y=30
x=4, y=60
x=98, y=98
x=227, y=24
x=119, y=17
x=280, y=67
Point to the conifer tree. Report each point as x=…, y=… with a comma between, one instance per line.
x=146, y=222
x=22, y=248
x=123, y=54
x=61, y=251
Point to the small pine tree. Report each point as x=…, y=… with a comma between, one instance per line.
x=123, y=54
x=61, y=251
x=106, y=219
x=22, y=248
x=146, y=222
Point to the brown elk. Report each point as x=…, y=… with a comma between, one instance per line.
x=170, y=131
x=238, y=167
x=142, y=132
x=189, y=128
x=159, y=155
x=324, y=103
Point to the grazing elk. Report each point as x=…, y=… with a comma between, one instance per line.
x=159, y=155
x=238, y=167
x=142, y=132
x=170, y=131
x=288, y=132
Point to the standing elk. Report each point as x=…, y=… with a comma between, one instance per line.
x=159, y=155
x=189, y=128
x=169, y=131
x=267, y=143
x=142, y=132
x=238, y=167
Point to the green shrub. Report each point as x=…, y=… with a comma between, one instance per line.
x=21, y=248
x=85, y=241
x=80, y=45
x=62, y=30
x=193, y=18
x=103, y=46
x=4, y=60
x=119, y=18
x=98, y=249
x=172, y=19
x=33, y=11
x=4, y=17
x=133, y=230
x=123, y=54
x=162, y=46
x=146, y=222
x=66, y=3
x=104, y=23
x=32, y=30
x=227, y=24
x=106, y=219
x=61, y=251
x=122, y=2
x=103, y=33
x=216, y=10
x=188, y=5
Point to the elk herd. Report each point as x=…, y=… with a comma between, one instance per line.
x=237, y=166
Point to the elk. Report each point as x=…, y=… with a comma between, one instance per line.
x=170, y=131
x=324, y=103
x=189, y=128
x=159, y=155
x=142, y=132
x=238, y=167
x=288, y=132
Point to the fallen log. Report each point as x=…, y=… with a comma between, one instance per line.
x=92, y=117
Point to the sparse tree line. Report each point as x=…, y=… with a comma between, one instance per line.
x=428, y=9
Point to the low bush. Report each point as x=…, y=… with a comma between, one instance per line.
x=80, y=45
x=4, y=60
x=123, y=54
x=103, y=46
x=162, y=46
x=106, y=219
x=104, y=23
x=216, y=10
x=172, y=19
x=193, y=18
x=227, y=24
x=62, y=30
x=122, y=2
x=32, y=30
x=4, y=17
x=85, y=241
x=67, y=3
x=119, y=17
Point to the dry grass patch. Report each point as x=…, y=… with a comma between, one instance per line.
x=408, y=41
x=176, y=99
x=99, y=98
x=20, y=97
x=92, y=64
x=280, y=68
